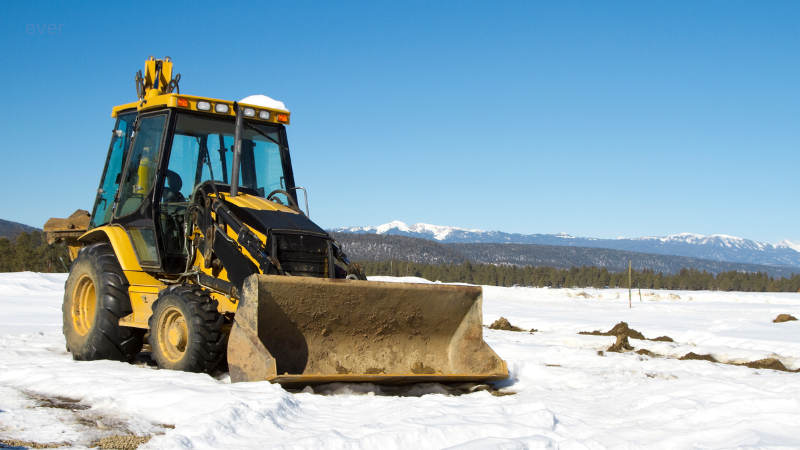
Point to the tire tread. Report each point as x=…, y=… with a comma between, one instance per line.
x=208, y=338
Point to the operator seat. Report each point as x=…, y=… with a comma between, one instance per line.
x=172, y=188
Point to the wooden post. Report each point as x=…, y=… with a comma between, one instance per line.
x=639, y=285
x=630, y=305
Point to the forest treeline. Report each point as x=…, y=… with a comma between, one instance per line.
x=583, y=277
x=30, y=252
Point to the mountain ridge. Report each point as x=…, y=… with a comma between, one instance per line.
x=717, y=247
x=380, y=248
x=9, y=229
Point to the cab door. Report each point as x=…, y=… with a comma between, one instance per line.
x=112, y=172
x=134, y=204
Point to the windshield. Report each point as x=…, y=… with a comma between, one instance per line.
x=202, y=150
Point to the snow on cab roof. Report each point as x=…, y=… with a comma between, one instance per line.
x=264, y=101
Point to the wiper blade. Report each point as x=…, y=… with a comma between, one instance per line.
x=261, y=132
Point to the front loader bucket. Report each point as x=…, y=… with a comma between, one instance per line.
x=300, y=331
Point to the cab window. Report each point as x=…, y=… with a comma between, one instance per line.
x=120, y=142
x=137, y=179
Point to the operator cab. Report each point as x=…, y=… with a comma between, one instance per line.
x=163, y=149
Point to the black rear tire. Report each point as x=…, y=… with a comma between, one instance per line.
x=186, y=330
x=95, y=298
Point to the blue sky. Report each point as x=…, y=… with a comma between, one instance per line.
x=600, y=119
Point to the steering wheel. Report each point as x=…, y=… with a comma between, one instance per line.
x=292, y=203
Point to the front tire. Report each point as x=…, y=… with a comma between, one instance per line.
x=95, y=298
x=186, y=330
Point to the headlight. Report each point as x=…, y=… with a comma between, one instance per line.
x=264, y=115
x=249, y=112
x=221, y=108
x=203, y=106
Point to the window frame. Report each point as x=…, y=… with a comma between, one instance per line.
x=286, y=163
x=113, y=196
x=143, y=216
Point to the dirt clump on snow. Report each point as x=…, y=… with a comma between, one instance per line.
x=60, y=403
x=581, y=294
x=694, y=356
x=645, y=352
x=784, y=318
x=622, y=329
x=593, y=333
x=118, y=442
x=502, y=393
x=767, y=363
x=622, y=344
x=503, y=324
x=15, y=443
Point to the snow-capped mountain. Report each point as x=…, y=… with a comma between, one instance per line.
x=717, y=247
x=788, y=244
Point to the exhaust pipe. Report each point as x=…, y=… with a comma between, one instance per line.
x=237, y=149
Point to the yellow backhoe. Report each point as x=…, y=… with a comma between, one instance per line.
x=197, y=247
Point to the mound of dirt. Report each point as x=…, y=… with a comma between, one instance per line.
x=622, y=329
x=645, y=352
x=503, y=324
x=622, y=344
x=767, y=363
x=784, y=318
x=695, y=356
x=593, y=333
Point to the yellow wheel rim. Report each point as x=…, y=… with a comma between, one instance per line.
x=84, y=300
x=173, y=336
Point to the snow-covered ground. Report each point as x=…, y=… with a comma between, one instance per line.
x=565, y=394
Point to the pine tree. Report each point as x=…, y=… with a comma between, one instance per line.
x=6, y=255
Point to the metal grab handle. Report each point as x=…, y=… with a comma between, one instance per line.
x=305, y=195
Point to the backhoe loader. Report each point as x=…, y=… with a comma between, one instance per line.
x=198, y=248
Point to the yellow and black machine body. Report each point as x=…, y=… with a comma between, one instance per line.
x=197, y=247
